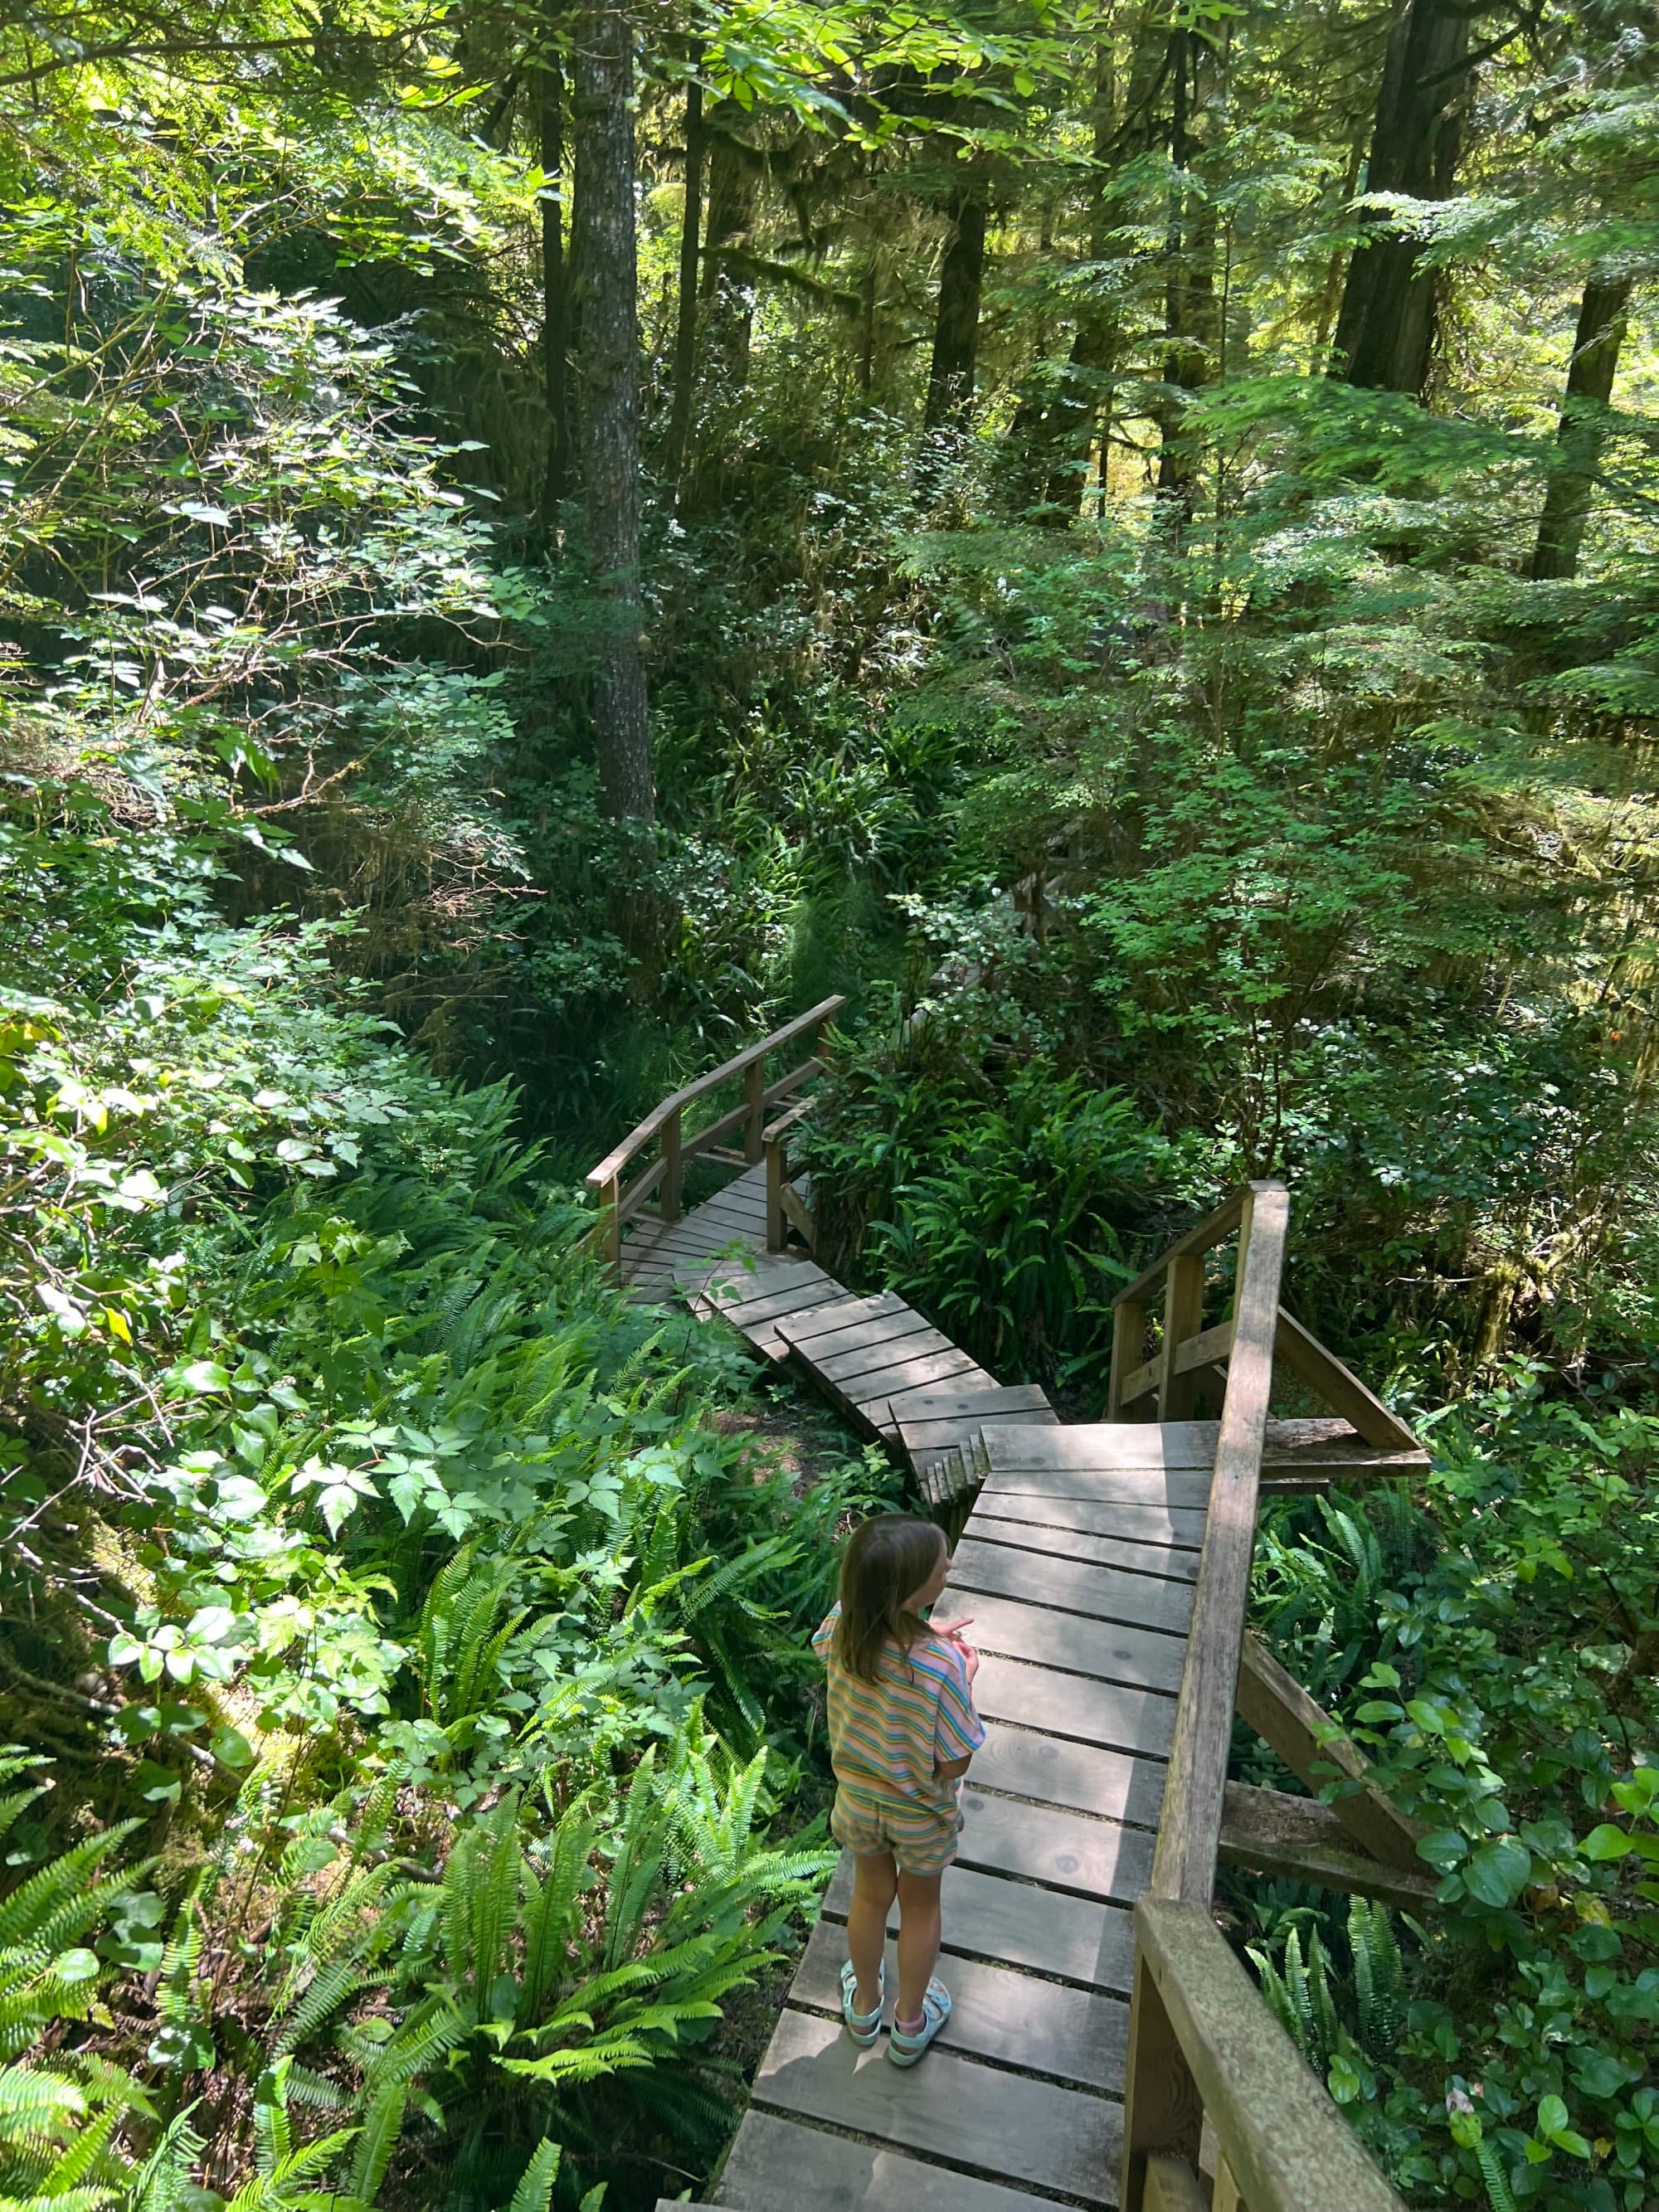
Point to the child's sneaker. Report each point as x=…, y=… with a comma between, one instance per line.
x=863, y=2027
x=905, y=2046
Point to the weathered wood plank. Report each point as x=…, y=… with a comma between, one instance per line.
x=1184, y=1312
x=1204, y=1721
x=1273, y=1834
x=845, y=1313
x=1097, y=1444
x=768, y=1305
x=1001, y=2126
x=1072, y=1586
x=1086, y=1778
x=1076, y=2035
x=1283, y=1716
x=1108, y=1650
x=1287, y=2144
x=779, y=2166
x=821, y=1352
x=883, y=1351
x=931, y=1401
x=1060, y=1848
x=871, y=1389
x=1162, y=1559
x=1322, y=1370
x=1172, y=2186
x=1186, y=1488
x=1110, y=1714
x=1142, y=1522
x=1046, y=1931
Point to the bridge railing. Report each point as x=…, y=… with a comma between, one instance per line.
x=630, y=1182
x=1203, y=2045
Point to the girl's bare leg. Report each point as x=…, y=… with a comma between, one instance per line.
x=875, y=1882
x=918, y=1942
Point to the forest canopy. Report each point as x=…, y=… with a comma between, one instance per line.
x=538, y=541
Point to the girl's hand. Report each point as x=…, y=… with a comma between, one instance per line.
x=951, y=1630
x=970, y=1661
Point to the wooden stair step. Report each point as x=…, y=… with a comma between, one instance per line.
x=1006, y=2127
x=780, y=2165
x=1075, y=1939
x=1116, y=1785
x=1061, y=1849
x=1072, y=1585
x=1140, y=1520
x=1170, y=1560
x=1107, y=1651
x=1078, y=2036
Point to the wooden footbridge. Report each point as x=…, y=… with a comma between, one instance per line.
x=1106, y=2045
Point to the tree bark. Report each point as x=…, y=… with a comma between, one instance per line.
x=685, y=330
x=1385, y=332
x=955, y=326
x=1190, y=292
x=728, y=297
x=1596, y=344
x=607, y=281
x=555, y=302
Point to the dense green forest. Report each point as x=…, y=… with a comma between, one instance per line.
x=536, y=541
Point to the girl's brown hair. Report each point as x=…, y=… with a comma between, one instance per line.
x=886, y=1560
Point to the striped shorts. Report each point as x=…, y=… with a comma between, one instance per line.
x=922, y=1841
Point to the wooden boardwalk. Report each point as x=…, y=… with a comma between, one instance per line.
x=1099, y=2017
x=889, y=1370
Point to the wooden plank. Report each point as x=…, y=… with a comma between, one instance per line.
x=1322, y=1370
x=878, y=1383
x=1283, y=1715
x=1107, y=1652
x=1163, y=2113
x=1134, y=1518
x=1060, y=1848
x=1072, y=1586
x=1186, y=1487
x=1140, y=1382
x=1073, y=1938
x=846, y=1313
x=770, y=1301
x=931, y=1401
x=1078, y=2036
x=1273, y=1833
x=1071, y=1544
x=1111, y=1714
x=859, y=1338
x=929, y=1435
x=918, y=1337
x=1003, y=2126
x=1288, y=2146
x=778, y=2166
x=1024, y=1763
x=1129, y=1342
x=1204, y=1722
x=1097, y=1444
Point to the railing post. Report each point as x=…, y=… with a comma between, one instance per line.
x=610, y=1223
x=754, y=1096
x=1183, y=1313
x=777, y=1167
x=1162, y=2110
x=1129, y=1337
x=673, y=1170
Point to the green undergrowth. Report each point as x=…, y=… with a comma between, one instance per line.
x=1492, y=1647
x=402, y=1637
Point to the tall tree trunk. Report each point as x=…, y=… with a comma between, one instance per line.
x=1190, y=292
x=728, y=297
x=685, y=330
x=1596, y=346
x=607, y=283
x=556, y=302
x=956, y=324
x=1385, y=333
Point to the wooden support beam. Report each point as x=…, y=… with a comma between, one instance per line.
x=1222, y=1222
x=1163, y=2111
x=1322, y=1370
x=1271, y=1832
x=1183, y=1311
x=1285, y=1716
x=1171, y=2186
x=1128, y=1340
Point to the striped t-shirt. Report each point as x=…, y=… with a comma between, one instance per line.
x=887, y=1737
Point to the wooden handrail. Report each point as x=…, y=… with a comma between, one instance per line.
x=666, y=1126
x=1283, y=2145
x=1202, y=2043
x=1191, y=1829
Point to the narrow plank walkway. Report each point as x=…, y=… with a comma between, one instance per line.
x=889, y=1370
x=1077, y=1567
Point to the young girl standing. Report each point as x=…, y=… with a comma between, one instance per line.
x=903, y=1729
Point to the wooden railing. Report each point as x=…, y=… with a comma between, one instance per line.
x=656, y=1189
x=1203, y=2046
